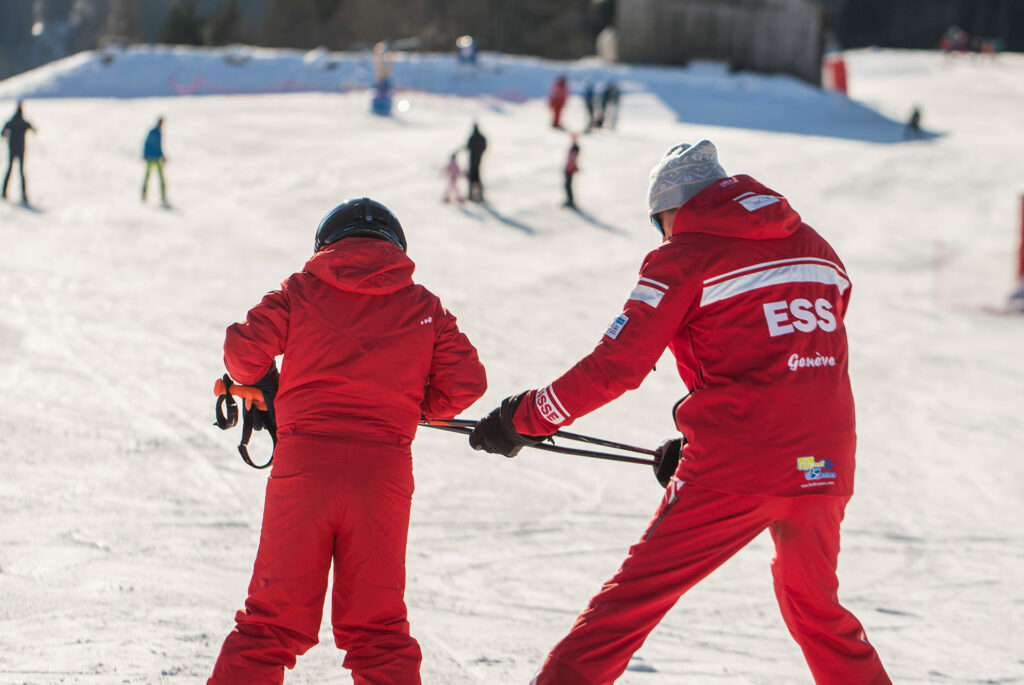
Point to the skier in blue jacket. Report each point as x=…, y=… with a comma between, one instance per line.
x=153, y=153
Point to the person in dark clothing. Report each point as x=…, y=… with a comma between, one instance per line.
x=14, y=131
x=609, y=105
x=588, y=101
x=913, y=128
x=476, y=145
x=570, y=170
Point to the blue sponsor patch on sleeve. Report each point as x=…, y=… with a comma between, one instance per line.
x=616, y=326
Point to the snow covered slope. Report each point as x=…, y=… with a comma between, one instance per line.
x=128, y=525
x=703, y=93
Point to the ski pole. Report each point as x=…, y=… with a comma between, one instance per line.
x=466, y=427
x=252, y=394
x=254, y=415
x=593, y=454
x=559, y=434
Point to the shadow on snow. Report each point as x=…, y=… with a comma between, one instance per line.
x=508, y=221
x=741, y=102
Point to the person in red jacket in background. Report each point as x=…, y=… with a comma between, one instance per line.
x=750, y=301
x=367, y=353
x=556, y=100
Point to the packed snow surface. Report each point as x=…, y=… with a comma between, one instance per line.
x=128, y=524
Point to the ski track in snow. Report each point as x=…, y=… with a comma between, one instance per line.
x=128, y=524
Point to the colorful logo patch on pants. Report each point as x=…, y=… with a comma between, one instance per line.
x=816, y=472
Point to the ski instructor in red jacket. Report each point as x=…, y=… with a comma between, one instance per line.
x=750, y=300
x=366, y=353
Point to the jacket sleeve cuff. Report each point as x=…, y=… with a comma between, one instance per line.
x=527, y=419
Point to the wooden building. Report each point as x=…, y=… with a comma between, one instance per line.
x=756, y=35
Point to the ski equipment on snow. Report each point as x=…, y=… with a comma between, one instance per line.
x=361, y=217
x=255, y=415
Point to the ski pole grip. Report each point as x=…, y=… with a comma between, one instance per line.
x=226, y=411
x=250, y=393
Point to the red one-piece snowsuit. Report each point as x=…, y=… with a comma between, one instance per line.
x=557, y=99
x=750, y=301
x=366, y=353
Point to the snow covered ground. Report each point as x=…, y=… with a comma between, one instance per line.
x=128, y=524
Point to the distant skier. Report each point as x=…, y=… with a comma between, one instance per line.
x=556, y=100
x=466, y=50
x=367, y=352
x=750, y=300
x=589, y=103
x=912, y=131
x=14, y=130
x=153, y=153
x=476, y=145
x=571, y=167
x=453, y=173
x=610, y=105
x=382, y=86
x=955, y=40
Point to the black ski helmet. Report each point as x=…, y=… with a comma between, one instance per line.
x=359, y=217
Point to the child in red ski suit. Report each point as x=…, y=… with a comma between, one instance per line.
x=750, y=301
x=366, y=353
x=556, y=100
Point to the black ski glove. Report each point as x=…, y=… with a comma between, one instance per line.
x=666, y=459
x=496, y=434
x=268, y=384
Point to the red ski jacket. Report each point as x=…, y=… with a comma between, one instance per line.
x=559, y=94
x=750, y=301
x=366, y=351
x=570, y=162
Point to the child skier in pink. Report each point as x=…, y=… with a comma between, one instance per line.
x=454, y=173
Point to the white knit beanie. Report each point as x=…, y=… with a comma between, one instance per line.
x=684, y=171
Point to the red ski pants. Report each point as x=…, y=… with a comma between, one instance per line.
x=347, y=504
x=556, y=114
x=694, y=531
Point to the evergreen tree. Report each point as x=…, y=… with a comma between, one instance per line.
x=222, y=26
x=183, y=25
